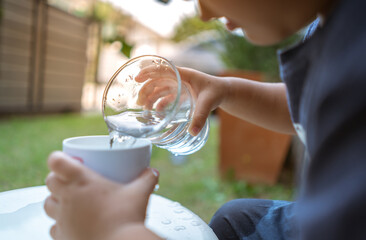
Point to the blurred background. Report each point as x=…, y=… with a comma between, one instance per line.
x=56, y=57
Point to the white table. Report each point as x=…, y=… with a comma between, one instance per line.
x=22, y=217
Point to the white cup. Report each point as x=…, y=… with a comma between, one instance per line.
x=121, y=164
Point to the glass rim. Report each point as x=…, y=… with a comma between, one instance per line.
x=169, y=116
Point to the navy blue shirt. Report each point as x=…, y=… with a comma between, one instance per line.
x=326, y=81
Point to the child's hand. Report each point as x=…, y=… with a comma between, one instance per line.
x=87, y=206
x=208, y=91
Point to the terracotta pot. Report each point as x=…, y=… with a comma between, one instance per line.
x=249, y=152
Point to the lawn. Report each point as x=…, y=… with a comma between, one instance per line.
x=25, y=143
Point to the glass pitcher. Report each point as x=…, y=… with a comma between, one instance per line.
x=146, y=98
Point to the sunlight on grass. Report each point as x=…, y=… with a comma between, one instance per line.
x=27, y=141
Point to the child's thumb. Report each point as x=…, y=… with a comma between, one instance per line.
x=146, y=182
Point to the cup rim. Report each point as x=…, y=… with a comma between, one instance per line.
x=68, y=142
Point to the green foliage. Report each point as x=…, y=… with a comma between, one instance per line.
x=27, y=141
x=192, y=26
x=114, y=23
x=236, y=53
x=105, y=12
x=239, y=53
x=126, y=47
x=101, y=11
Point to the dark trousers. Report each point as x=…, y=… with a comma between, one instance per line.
x=254, y=219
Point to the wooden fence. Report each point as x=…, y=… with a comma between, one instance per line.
x=42, y=58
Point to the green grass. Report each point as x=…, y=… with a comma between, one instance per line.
x=26, y=142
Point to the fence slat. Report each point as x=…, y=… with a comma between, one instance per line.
x=61, y=94
x=21, y=44
x=64, y=53
x=21, y=3
x=14, y=59
x=16, y=26
x=42, y=66
x=14, y=76
x=16, y=8
x=59, y=80
x=68, y=23
x=67, y=18
x=11, y=92
x=9, y=32
x=13, y=16
x=76, y=42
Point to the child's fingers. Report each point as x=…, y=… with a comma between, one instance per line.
x=146, y=90
x=189, y=75
x=201, y=113
x=164, y=102
x=54, y=184
x=51, y=207
x=53, y=231
x=149, y=87
x=146, y=182
x=160, y=92
x=158, y=96
x=64, y=166
x=153, y=71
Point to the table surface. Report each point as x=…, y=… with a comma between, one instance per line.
x=22, y=217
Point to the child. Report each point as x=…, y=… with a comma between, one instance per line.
x=323, y=100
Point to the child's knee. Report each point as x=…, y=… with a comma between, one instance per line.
x=238, y=218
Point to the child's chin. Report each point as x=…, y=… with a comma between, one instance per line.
x=264, y=40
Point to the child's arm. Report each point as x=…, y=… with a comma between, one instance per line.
x=264, y=104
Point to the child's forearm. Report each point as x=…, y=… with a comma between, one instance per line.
x=134, y=232
x=264, y=104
